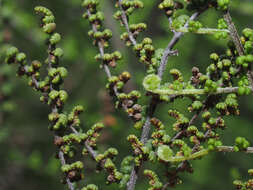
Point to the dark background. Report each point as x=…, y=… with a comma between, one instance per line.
x=27, y=153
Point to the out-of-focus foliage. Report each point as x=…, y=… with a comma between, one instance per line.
x=27, y=156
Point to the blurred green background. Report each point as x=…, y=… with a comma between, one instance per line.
x=27, y=153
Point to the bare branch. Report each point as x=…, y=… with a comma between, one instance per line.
x=249, y=150
x=172, y=43
x=233, y=33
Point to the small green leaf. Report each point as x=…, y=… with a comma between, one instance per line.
x=164, y=152
x=151, y=82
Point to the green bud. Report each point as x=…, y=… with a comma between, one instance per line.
x=52, y=72
x=240, y=60
x=49, y=28
x=43, y=10
x=65, y=168
x=197, y=105
x=58, y=52
x=164, y=152
x=90, y=187
x=223, y=4
x=12, y=51
x=214, y=56
x=63, y=72
x=53, y=94
x=48, y=19
x=56, y=79
x=249, y=58
x=247, y=32
x=63, y=95
x=20, y=57
x=55, y=38
x=241, y=90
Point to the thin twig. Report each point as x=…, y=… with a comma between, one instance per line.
x=179, y=134
x=233, y=32
x=201, y=30
x=174, y=40
x=125, y=22
x=249, y=150
x=88, y=147
x=170, y=92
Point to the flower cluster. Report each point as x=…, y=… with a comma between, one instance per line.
x=245, y=185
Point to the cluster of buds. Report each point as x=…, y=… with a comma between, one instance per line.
x=101, y=37
x=196, y=74
x=229, y=106
x=72, y=138
x=221, y=25
x=145, y=51
x=241, y=144
x=247, y=40
x=194, y=25
x=212, y=122
x=90, y=187
x=195, y=136
x=240, y=185
x=179, y=21
x=159, y=136
x=73, y=117
x=94, y=133
x=128, y=7
x=73, y=171
x=223, y=4
x=141, y=152
x=135, y=30
x=129, y=102
x=213, y=144
x=184, y=149
x=170, y=6
x=181, y=122
x=109, y=58
x=115, y=83
x=105, y=161
x=95, y=17
x=61, y=121
x=154, y=181
x=14, y=56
